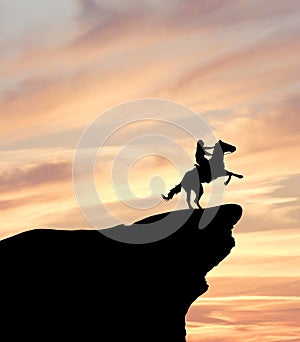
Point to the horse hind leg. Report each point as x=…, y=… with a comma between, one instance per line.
x=198, y=196
x=187, y=185
x=188, y=198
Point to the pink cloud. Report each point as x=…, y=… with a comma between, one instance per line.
x=182, y=14
x=33, y=175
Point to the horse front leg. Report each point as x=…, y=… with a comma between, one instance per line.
x=229, y=178
x=230, y=174
x=237, y=175
x=198, y=196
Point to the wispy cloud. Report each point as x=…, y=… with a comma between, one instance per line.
x=252, y=285
x=32, y=175
x=272, y=253
x=266, y=318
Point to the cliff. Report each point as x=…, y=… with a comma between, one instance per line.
x=63, y=285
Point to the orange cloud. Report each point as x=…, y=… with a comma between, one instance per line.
x=252, y=285
x=264, y=318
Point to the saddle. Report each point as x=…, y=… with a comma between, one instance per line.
x=204, y=173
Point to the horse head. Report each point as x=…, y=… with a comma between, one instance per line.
x=226, y=147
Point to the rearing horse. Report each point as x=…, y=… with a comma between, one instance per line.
x=192, y=180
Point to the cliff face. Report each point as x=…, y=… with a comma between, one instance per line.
x=82, y=284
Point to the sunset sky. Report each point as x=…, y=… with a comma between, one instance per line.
x=235, y=64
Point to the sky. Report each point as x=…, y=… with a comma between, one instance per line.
x=234, y=65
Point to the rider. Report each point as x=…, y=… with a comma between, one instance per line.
x=202, y=165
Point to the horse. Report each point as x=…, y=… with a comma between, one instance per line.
x=193, y=179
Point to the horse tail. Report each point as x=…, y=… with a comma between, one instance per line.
x=172, y=192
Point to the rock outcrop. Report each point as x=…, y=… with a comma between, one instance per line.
x=62, y=285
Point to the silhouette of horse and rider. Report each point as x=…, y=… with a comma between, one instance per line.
x=204, y=171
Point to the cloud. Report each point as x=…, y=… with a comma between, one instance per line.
x=238, y=57
x=286, y=119
x=70, y=218
x=105, y=23
x=221, y=12
x=88, y=7
x=182, y=14
x=62, y=138
x=288, y=187
x=251, y=285
x=32, y=175
x=262, y=263
x=35, y=190
x=119, y=47
x=242, y=71
x=269, y=318
x=273, y=124
x=71, y=98
x=17, y=203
